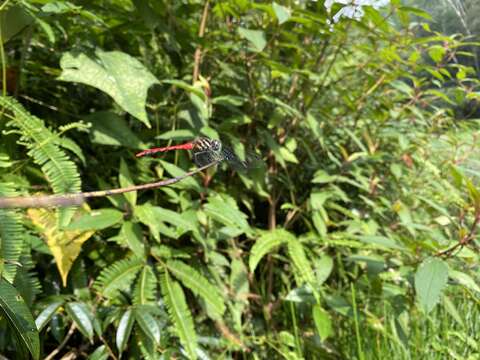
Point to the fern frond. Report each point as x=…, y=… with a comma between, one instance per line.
x=200, y=286
x=60, y=171
x=179, y=313
x=26, y=279
x=145, y=287
x=301, y=264
x=266, y=244
x=11, y=235
x=118, y=276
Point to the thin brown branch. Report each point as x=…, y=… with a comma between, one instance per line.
x=198, y=51
x=465, y=240
x=62, y=344
x=80, y=198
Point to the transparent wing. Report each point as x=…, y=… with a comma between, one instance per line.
x=203, y=158
x=251, y=161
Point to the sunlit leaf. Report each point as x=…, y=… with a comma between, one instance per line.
x=64, y=244
x=430, y=280
x=255, y=37
x=119, y=75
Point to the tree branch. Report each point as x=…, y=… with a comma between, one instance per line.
x=80, y=198
x=198, y=51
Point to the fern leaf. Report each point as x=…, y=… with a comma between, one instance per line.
x=300, y=261
x=26, y=279
x=118, y=276
x=145, y=287
x=179, y=314
x=43, y=148
x=200, y=286
x=11, y=235
x=266, y=244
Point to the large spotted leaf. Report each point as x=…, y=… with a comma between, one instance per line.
x=119, y=75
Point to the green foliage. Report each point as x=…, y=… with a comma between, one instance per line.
x=118, y=276
x=430, y=280
x=17, y=313
x=355, y=238
x=179, y=313
x=11, y=236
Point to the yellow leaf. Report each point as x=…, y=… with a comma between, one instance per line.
x=65, y=245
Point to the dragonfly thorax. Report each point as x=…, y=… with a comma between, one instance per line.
x=205, y=144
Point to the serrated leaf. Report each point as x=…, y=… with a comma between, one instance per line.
x=300, y=261
x=199, y=285
x=46, y=315
x=14, y=309
x=430, y=280
x=119, y=75
x=124, y=330
x=145, y=287
x=255, y=37
x=96, y=220
x=118, y=275
x=179, y=314
x=147, y=323
x=266, y=244
x=82, y=316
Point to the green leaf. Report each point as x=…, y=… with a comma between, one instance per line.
x=322, y=321
x=464, y=280
x=96, y=220
x=12, y=235
x=323, y=269
x=225, y=210
x=199, y=285
x=118, y=275
x=430, y=280
x=188, y=183
x=300, y=261
x=119, y=75
x=180, y=134
x=124, y=330
x=19, y=318
x=100, y=353
x=266, y=244
x=255, y=37
x=13, y=20
x=179, y=314
x=147, y=323
x=125, y=180
x=145, y=287
x=281, y=12
x=82, y=316
x=108, y=128
x=46, y=315
x=132, y=233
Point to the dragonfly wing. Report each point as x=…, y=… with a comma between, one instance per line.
x=251, y=160
x=203, y=158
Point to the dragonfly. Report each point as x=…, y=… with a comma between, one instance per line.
x=207, y=151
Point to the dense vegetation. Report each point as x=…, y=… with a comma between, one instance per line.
x=356, y=239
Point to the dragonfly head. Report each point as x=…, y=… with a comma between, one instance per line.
x=216, y=145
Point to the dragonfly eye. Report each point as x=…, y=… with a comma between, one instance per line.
x=216, y=145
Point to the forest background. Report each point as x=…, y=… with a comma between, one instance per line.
x=356, y=239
